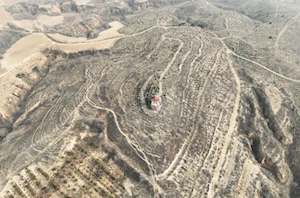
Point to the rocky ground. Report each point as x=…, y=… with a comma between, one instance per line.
x=75, y=82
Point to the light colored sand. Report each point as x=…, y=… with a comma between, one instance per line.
x=47, y=6
x=50, y=20
x=85, y=46
x=274, y=96
x=5, y=17
x=106, y=34
x=141, y=1
x=249, y=171
x=82, y=2
x=28, y=46
x=11, y=2
x=9, y=83
x=111, y=32
x=24, y=49
x=31, y=25
x=26, y=54
x=23, y=117
x=66, y=39
x=28, y=25
x=69, y=144
x=128, y=186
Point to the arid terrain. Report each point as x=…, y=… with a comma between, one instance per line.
x=150, y=98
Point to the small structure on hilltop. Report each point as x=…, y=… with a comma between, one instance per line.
x=156, y=102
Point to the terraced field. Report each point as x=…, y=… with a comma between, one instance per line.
x=78, y=122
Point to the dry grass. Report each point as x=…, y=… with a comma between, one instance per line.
x=141, y=1
x=11, y=2
x=82, y=2
x=69, y=48
x=5, y=17
x=28, y=25
x=24, y=49
x=9, y=82
x=42, y=20
x=25, y=54
x=274, y=96
x=106, y=34
x=50, y=20
x=28, y=46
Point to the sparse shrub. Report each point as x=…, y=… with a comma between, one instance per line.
x=43, y=172
x=68, y=161
x=18, y=189
x=45, y=189
x=104, y=193
x=53, y=185
x=38, y=184
x=30, y=189
x=31, y=175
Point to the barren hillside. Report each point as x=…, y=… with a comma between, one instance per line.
x=149, y=98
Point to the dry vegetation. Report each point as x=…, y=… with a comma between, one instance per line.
x=5, y=17
x=77, y=121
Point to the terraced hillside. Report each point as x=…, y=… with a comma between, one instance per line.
x=76, y=110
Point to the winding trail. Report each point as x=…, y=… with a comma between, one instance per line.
x=188, y=141
x=231, y=129
x=276, y=12
x=163, y=37
x=264, y=67
x=193, y=132
x=283, y=30
x=136, y=148
x=185, y=57
x=133, y=145
x=182, y=150
x=169, y=65
x=229, y=51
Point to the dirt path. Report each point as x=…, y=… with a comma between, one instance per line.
x=283, y=30
x=134, y=145
x=264, y=67
x=50, y=145
x=169, y=65
x=183, y=150
x=163, y=37
x=231, y=129
x=185, y=57
x=276, y=12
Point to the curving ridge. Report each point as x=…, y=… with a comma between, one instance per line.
x=78, y=121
